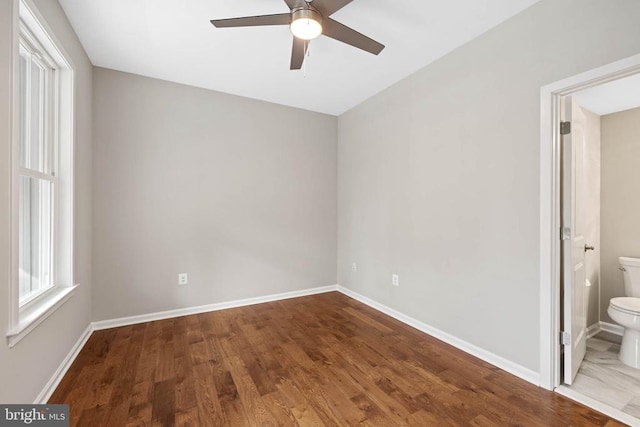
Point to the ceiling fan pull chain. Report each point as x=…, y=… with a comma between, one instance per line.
x=304, y=63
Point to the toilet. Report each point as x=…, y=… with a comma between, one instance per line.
x=626, y=312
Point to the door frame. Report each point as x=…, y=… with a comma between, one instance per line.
x=550, y=203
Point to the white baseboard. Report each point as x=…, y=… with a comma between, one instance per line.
x=598, y=406
x=593, y=330
x=53, y=382
x=612, y=328
x=161, y=315
x=502, y=363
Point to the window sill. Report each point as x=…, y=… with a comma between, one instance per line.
x=39, y=313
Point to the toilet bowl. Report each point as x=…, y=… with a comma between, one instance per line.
x=625, y=311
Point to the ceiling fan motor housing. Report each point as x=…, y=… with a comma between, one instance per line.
x=306, y=13
x=306, y=23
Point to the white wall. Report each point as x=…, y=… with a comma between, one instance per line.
x=620, y=199
x=26, y=368
x=240, y=194
x=438, y=175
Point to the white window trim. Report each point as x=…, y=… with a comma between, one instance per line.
x=38, y=310
x=23, y=319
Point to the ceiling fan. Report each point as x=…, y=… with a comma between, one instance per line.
x=308, y=20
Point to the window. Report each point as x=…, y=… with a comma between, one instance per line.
x=37, y=170
x=42, y=180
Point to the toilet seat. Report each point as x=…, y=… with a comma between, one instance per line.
x=630, y=305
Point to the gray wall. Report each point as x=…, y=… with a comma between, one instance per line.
x=592, y=213
x=27, y=367
x=620, y=199
x=438, y=176
x=240, y=194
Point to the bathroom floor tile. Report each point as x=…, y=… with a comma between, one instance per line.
x=601, y=391
x=604, y=378
x=598, y=345
x=633, y=407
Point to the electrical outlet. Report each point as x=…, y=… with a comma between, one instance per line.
x=183, y=279
x=354, y=267
x=395, y=280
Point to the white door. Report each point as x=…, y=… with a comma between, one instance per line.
x=574, y=245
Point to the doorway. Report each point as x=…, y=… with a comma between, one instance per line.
x=554, y=99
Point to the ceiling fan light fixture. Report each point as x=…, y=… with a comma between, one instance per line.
x=306, y=24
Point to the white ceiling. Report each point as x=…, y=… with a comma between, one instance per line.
x=173, y=40
x=612, y=97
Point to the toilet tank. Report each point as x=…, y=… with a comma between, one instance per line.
x=631, y=272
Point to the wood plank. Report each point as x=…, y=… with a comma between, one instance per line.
x=207, y=396
x=141, y=404
x=254, y=409
x=282, y=412
x=124, y=381
x=188, y=418
x=164, y=411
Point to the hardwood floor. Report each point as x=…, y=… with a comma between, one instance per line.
x=318, y=360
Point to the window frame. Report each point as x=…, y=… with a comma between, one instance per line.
x=30, y=28
x=48, y=170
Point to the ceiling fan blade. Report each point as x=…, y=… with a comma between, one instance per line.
x=294, y=3
x=253, y=21
x=298, y=52
x=329, y=7
x=341, y=32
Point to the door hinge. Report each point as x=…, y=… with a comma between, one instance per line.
x=565, y=128
x=565, y=338
x=565, y=233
